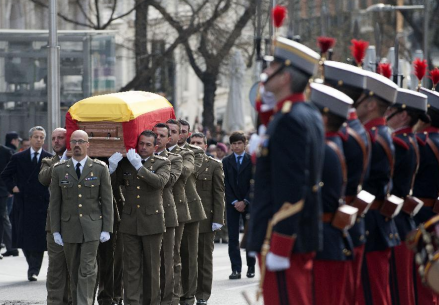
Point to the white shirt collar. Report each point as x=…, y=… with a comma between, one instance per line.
x=82, y=162
x=241, y=155
x=172, y=147
x=159, y=152
x=32, y=151
x=146, y=159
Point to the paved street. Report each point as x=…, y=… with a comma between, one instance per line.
x=16, y=289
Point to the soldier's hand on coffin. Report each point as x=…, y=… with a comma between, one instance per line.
x=277, y=263
x=105, y=236
x=58, y=239
x=134, y=159
x=114, y=161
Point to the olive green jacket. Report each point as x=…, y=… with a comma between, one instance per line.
x=179, y=187
x=45, y=176
x=80, y=209
x=210, y=187
x=171, y=218
x=193, y=199
x=143, y=212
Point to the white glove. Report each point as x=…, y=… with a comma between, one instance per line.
x=105, y=236
x=58, y=239
x=216, y=226
x=134, y=159
x=64, y=155
x=113, y=161
x=277, y=263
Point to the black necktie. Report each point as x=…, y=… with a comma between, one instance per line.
x=78, y=170
x=238, y=162
x=143, y=161
x=35, y=158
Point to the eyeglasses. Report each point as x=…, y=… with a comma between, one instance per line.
x=80, y=142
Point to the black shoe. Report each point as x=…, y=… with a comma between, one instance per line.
x=235, y=275
x=32, y=278
x=217, y=241
x=251, y=272
x=225, y=241
x=10, y=253
x=201, y=302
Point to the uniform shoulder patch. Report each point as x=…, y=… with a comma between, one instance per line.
x=401, y=143
x=173, y=154
x=213, y=159
x=196, y=148
x=99, y=162
x=59, y=163
x=160, y=157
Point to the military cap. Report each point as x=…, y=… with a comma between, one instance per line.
x=411, y=100
x=432, y=96
x=380, y=86
x=330, y=100
x=294, y=54
x=339, y=74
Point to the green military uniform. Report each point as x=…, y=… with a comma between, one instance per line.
x=189, y=242
x=80, y=209
x=142, y=224
x=210, y=187
x=57, y=283
x=171, y=222
x=182, y=213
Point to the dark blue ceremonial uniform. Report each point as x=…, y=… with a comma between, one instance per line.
x=427, y=178
x=289, y=170
x=381, y=232
x=405, y=166
x=337, y=245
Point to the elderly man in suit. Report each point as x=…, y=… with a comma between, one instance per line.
x=31, y=200
x=81, y=214
x=238, y=173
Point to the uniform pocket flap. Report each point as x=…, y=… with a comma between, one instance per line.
x=65, y=183
x=204, y=178
x=65, y=217
x=151, y=210
x=91, y=183
x=95, y=216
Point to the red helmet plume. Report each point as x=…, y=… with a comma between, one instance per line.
x=358, y=49
x=279, y=12
x=434, y=76
x=385, y=69
x=325, y=43
x=420, y=67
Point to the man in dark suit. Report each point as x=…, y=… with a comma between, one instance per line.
x=31, y=200
x=238, y=173
x=5, y=224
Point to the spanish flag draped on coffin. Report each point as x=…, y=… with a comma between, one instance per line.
x=114, y=121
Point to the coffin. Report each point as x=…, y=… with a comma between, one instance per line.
x=114, y=121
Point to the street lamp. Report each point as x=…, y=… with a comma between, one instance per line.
x=380, y=7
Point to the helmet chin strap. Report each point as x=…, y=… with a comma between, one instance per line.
x=399, y=110
x=263, y=75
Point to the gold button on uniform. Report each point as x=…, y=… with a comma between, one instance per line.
x=80, y=205
x=80, y=215
x=391, y=235
x=138, y=196
x=138, y=206
x=138, y=187
x=80, y=196
x=156, y=211
x=79, y=186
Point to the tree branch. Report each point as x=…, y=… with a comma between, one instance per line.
x=113, y=9
x=192, y=61
x=78, y=3
x=98, y=17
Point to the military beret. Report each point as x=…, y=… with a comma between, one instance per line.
x=330, y=100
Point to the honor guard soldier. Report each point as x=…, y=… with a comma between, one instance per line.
x=81, y=214
x=408, y=108
x=288, y=174
x=426, y=186
x=210, y=187
x=57, y=283
x=180, y=200
x=171, y=219
x=356, y=147
x=189, y=242
x=381, y=231
x=332, y=263
x=143, y=175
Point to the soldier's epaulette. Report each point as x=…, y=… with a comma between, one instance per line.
x=60, y=162
x=195, y=147
x=213, y=159
x=160, y=157
x=99, y=162
x=400, y=142
x=172, y=154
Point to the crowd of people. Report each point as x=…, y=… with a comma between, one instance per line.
x=141, y=230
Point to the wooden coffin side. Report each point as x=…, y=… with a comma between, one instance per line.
x=105, y=138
